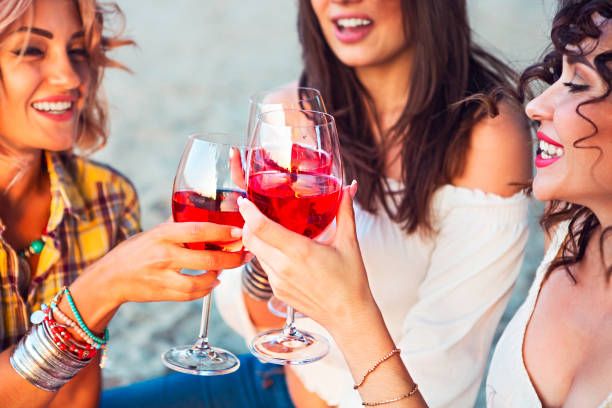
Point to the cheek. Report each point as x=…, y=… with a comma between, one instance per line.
x=319, y=7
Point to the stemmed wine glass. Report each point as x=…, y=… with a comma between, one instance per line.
x=206, y=188
x=294, y=177
x=303, y=98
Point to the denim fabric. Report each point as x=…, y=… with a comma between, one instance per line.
x=255, y=385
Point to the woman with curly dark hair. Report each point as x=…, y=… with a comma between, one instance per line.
x=556, y=350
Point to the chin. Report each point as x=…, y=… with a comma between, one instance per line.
x=543, y=191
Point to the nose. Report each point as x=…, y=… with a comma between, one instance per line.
x=346, y=1
x=541, y=108
x=62, y=72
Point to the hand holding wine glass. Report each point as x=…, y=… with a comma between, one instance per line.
x=302, y=270
x=288, y=97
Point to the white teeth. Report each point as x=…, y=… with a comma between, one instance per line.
x=549, y=151
x=53, y=107
x=353, y=22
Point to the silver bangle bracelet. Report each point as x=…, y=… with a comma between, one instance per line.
x=40, y=361
x=255, y=282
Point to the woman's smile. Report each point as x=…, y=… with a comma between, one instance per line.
x=56, y=107
x=351, y=28
x=549, y=151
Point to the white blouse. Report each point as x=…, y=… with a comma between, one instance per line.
x=508, y=383
x=441, y=296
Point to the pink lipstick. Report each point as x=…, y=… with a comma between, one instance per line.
x=352, y=28
x=546, y=161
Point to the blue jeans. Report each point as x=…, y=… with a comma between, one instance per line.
x=255, y=384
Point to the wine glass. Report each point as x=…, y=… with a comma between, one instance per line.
x=206, y=188
x=294, y=177
x=274, y=99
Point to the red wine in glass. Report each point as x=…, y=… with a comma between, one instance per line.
x=303, y=203
x=294, y=177
x=209, y=179
x=188, y=205
x=304, y=159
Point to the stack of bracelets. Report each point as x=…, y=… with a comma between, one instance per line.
x=255, y=281
x=49, y=356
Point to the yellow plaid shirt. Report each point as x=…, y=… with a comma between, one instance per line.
x=93, y=208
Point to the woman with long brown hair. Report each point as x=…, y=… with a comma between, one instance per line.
x=439, y=150
x=65, y=221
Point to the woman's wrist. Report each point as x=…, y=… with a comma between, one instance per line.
x=365, y=317
x=94, y=297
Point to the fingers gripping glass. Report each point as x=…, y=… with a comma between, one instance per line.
x=206, y=188
x=299, y=98
x=294, y=177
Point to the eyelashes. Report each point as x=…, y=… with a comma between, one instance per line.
x=576, y=87
x=79, y=53
x=29, y=51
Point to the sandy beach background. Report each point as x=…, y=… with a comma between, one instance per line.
x=195, y=66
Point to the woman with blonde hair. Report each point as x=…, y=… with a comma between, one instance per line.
x=69, y=227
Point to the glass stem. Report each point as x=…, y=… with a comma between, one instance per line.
x=202, y=343
x=289, y=329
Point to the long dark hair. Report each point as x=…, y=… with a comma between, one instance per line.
x=454, y=84
x=572, y=24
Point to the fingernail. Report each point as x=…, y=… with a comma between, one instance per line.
x=240, y=200
x=236, y=232
x=353, y=188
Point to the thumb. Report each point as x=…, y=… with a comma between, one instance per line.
x=346, y=217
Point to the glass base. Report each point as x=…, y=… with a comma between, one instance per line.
x=200, y=361
x=278, y=347
x=279, y=308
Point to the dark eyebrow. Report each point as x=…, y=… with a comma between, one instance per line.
x=579, y=59
x=35, y=30
x=46, y=33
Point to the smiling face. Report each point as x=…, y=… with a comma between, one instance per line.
x=363, y=33
x=579, y=174
x=42, y=91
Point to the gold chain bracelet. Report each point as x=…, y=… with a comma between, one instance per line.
x=413, y=391
x=379, y=362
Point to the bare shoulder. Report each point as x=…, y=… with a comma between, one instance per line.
x=500, y=153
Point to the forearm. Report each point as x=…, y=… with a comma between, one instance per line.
x=364, y=340
x=83, y=390
x=15, y=391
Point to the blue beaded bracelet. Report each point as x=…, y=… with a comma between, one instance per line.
x=77, y=315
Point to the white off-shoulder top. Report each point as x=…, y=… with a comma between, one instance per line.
x=441, y=296
x=508, y=383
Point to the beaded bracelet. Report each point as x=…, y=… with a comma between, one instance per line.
x=82, y=322
x=379, y=362
x=81, y=329
x=413, y=391
x=64, y=340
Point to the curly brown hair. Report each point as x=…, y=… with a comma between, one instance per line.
x=572, y=24
x=93, y=123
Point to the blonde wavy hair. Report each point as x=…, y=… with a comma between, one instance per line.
x=93, y=123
